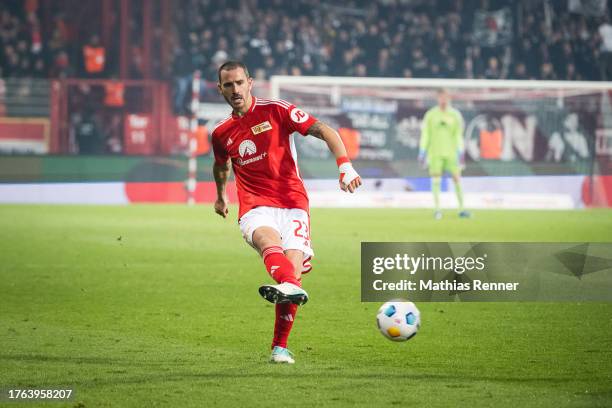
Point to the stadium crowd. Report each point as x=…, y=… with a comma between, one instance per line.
x=452, y=39
x=493, y=39
x=26, y=50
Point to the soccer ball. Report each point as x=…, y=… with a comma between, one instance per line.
x=398, y=320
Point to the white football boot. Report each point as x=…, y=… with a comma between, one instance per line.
x=281, y=355
x=284, y=293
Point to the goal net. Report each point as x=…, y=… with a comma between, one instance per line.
x=513, y=129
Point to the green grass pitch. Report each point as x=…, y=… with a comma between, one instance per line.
x=158, y=306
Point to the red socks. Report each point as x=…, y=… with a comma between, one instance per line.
x=278, y=266
x=281, y=270
x=285, y=314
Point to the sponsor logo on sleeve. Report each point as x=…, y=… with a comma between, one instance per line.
x=298, y=115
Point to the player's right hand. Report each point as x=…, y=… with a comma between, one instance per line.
x=221, y=207
x=423, y=158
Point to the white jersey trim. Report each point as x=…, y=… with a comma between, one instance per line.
x=273, y=103
x=281, y=103
x=275, y=100
x=294, y=155
x=220, y=123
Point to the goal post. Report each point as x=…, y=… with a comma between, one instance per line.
x=512, y=128
x=277, y=82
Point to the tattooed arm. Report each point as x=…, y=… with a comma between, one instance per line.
x=349, y=179
x=321, y=131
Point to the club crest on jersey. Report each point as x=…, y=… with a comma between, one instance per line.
x=247, y=148
x=262, y=127
x=298, y=115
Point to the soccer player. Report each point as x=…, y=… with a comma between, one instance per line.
x=441, y=148
x=257, y=139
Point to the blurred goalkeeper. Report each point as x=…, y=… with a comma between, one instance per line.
x=441, y=148
x=257, y=139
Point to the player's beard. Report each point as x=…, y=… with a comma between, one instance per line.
x=236, y=103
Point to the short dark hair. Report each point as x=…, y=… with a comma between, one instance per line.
x=229, y=65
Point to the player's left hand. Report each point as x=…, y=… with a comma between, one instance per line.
x=349, y=178
x=422, y=159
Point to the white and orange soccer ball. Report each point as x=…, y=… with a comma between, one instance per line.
x=398, y=320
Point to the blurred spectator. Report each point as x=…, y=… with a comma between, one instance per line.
x=38, y=68
x=61, y=67
x=183, y=70
x=468, y=69
x=136, y=63
x=605, y=32
x=88, y=134
x=383, y=66
x=546, y=72
x=94, y=57
x=114, y=94
x=571, y=74
x=519, y=72
x=493, y=71
x=478, y=67
x=112, y=133
x=420, y=65
x=361, y=70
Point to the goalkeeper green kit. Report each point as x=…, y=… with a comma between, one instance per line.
x=442, y=140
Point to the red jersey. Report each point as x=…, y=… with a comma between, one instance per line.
x=264, y=159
